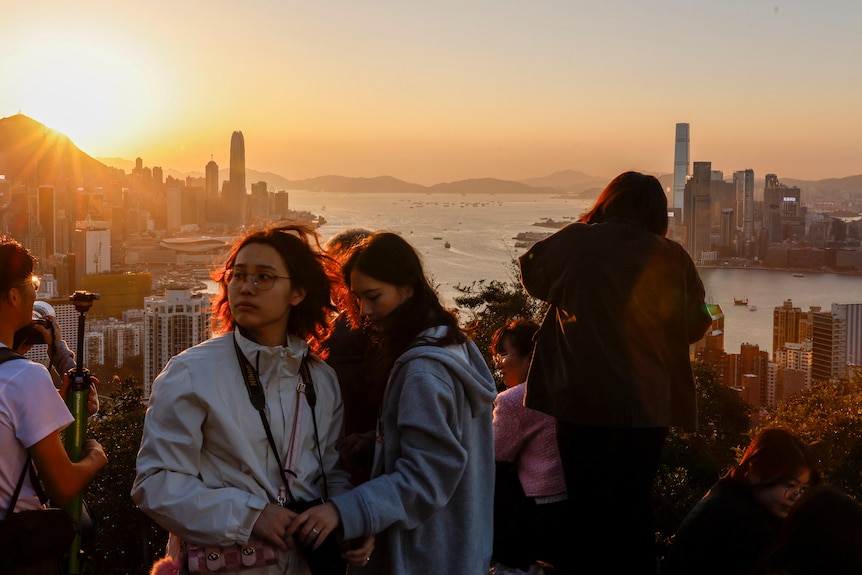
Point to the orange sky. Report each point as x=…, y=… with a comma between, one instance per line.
x=445, y=90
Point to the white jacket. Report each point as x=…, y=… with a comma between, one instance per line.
x=205, y=469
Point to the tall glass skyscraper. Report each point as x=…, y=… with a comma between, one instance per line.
x=234, y=199
x=681, y=163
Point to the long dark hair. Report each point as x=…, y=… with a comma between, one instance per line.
x=388, y=258
x=519, y=333
x=299, y=248
x=632, y=196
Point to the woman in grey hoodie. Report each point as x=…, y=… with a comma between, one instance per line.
x=430, y=497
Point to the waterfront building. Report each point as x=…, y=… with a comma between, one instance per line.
x=785, y=325
x=697, y=213
x=743, y=181
x=280, y=205
x=681, y=164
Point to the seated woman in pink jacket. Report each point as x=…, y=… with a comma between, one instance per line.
x=530, y=500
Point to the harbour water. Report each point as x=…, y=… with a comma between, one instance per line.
x=480, y=230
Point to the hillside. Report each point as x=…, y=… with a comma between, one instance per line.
x=32, y=153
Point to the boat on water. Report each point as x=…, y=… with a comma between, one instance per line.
x=447, y=245
x=798, y=275
x=752, y=308
x=743, y=301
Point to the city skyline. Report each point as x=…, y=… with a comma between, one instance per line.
x=443, y=92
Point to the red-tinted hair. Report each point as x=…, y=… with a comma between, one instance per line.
x=519, y=333
x=299, y=248
x=774, y=455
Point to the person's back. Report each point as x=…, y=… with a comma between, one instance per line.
x=612, y=362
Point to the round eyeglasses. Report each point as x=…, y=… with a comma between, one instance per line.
x=792, y=492
x=261, y=281
x=501, y=357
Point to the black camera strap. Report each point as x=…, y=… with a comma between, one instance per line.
x=258, y=401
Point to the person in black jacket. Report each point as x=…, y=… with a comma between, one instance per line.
x=739, y=519
x=612, y=363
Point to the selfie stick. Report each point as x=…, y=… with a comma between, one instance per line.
x=77, y=398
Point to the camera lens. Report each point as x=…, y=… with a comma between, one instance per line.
x=41, y=309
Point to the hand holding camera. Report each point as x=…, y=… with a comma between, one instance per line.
x=40, y=330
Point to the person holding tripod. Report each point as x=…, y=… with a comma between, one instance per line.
x=32, y=414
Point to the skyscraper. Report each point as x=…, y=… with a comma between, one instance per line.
x=830, y=347
x=681, y=154
x=47, y=216
x=172, y=323
x=235, y=203
x=785, y=325
x=851, y=314
x=213, y=214
x=744, y=181
x=697, y=213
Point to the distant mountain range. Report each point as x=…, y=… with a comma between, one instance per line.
x=31, y=152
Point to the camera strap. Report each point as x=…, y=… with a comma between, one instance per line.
x=258, y=401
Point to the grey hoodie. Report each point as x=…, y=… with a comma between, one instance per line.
x=430, y=499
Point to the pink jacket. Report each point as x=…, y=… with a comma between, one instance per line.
x=528, y=438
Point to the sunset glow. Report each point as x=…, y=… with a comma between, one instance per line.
x=444, y=91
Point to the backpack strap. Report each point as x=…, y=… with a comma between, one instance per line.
x=7, y=354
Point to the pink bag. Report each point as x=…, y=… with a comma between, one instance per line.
x=213, y=559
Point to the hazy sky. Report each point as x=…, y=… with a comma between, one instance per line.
x=439, y=90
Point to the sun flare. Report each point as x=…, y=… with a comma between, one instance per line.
x=91, y=93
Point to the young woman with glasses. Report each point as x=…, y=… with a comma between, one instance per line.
x=207, y=470
x=739, y=519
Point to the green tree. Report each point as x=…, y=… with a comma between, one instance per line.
x=490, y=305
x=692, y=462
x=125, y=540
x=828, y=417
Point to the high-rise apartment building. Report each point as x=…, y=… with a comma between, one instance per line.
x=172, y=323
x=213, y=214
x=851, y=314
x=785, y=325
x=752, y=371
x=681, y=163
x=795, y=360
x=829, y=346
x=92, y=250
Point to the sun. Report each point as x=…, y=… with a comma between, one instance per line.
x=92, y=93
